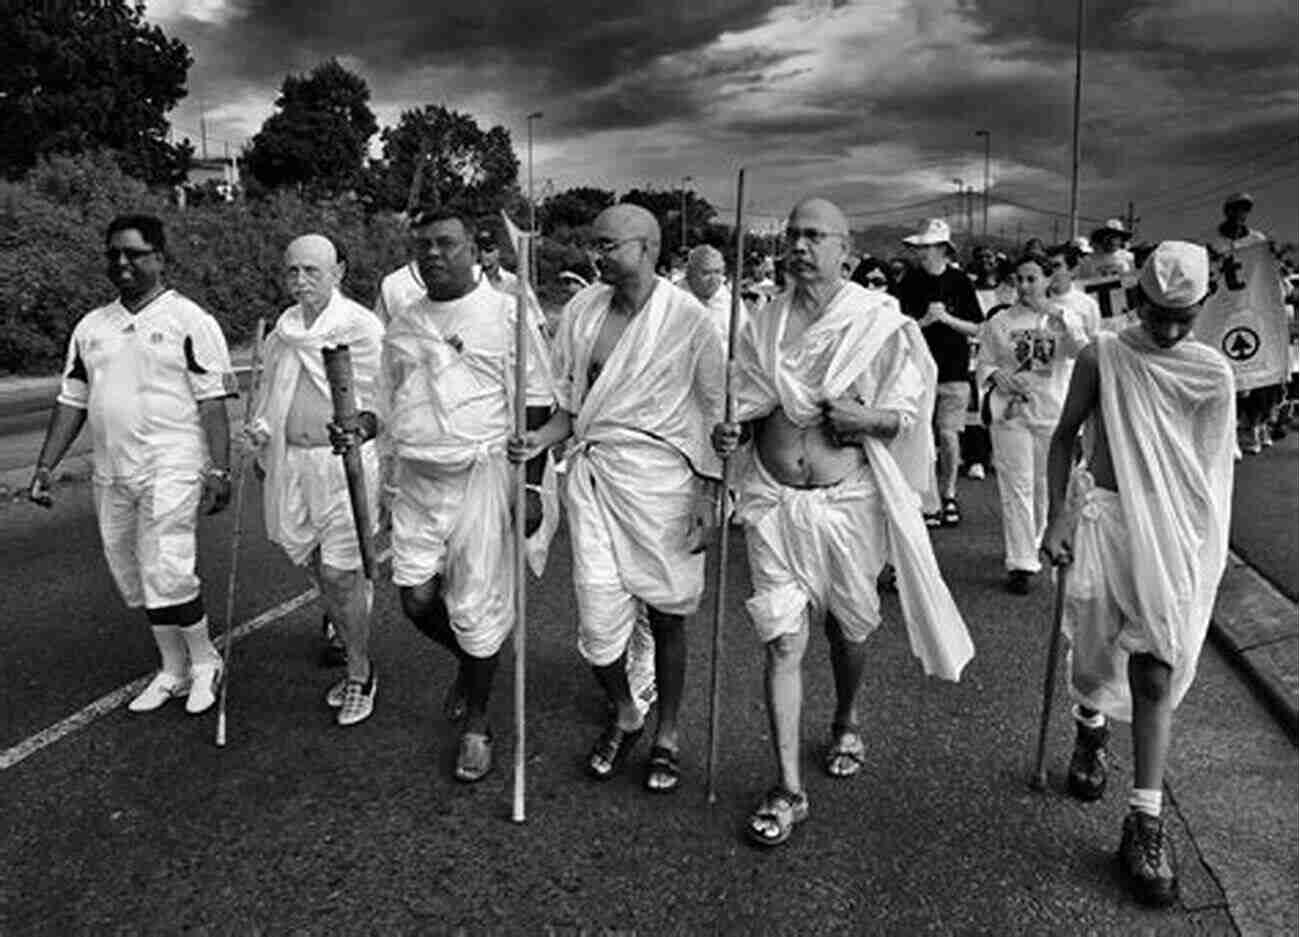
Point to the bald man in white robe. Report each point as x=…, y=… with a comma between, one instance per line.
x=305, y=495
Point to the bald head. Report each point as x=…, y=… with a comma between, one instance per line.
x=817, y=242
x=627, y=242
x=312, y=271
x=705, y=271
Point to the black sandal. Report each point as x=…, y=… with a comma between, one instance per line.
x=611, y=750
x=951, y=515
x=663, y=772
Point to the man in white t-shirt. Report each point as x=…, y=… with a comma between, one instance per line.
x=489, y=261
x=706, y=277
x=151, y=373
x=1063, y=259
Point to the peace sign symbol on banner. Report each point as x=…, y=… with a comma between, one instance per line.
x=1241, y=343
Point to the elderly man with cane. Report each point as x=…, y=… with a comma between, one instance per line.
x=305, y=495
x=151, y=372
x=1146, y=540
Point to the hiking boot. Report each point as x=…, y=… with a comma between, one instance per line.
x=1019, y=581
x=358, y=700
x=1147, y=858
x=1086, y=777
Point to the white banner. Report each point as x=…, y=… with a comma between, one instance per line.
x=1112, y=295
x=1245, y=316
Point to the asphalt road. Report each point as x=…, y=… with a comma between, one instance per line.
x=1265, y=513
x=141, y=825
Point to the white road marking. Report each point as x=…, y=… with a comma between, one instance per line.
x=110, y=701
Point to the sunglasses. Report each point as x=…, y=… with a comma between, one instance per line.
x=876, y=281
x=132, y=254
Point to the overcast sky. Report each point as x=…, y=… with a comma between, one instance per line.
x=873, y=103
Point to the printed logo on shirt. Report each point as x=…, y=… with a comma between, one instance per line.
x=1034, y=349
x=156, y=338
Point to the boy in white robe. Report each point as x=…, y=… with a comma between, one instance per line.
x=836, y=387
x=638, y=366
x=1144, y=528
x=305, y=495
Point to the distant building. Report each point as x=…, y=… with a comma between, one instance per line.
x=223, y=172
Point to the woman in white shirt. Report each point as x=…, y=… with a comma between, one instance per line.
x=1025, y=357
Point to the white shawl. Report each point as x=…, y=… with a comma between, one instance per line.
x=837, y=352
x=1170, y=420
x=292, y=349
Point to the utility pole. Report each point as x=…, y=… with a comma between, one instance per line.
x=203, y=129
x=1078, y=95
x=1056, y=230
x=970, y=212
x=961, y=200
x=988, y=137
x=532, y=203
x=685, y=179
x=1131, y=221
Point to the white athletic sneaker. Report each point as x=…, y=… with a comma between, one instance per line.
x=161, y=688
x=358, y=700
x=204, y=681
x=975, y=472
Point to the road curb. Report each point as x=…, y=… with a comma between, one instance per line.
x=1255, y=626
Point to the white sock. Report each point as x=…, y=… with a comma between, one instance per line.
x=171, y=647
x=200, y=645
x=1147, y=800
x=1095, y=721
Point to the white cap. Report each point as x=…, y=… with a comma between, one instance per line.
x=1177, y=274
x=934, y=231
x=1081, y=242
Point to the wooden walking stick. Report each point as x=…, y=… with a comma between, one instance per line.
x=338, y=372
x=522, y=252
x=254, y=383
x=720, y=599
x=1039, y=779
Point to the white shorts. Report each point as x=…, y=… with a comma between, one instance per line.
x=456, y=523
x=148, y=526
x=813, y=551
x=316, y=511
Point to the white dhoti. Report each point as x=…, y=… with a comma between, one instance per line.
x=629, y=507
x=315, y=510
x=819, y=549
x=455, y=523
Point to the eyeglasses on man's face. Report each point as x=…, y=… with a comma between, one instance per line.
x=876, y=281
x=132, y=254
x=811, y=235
x=609, y=245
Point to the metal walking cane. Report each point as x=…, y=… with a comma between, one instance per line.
x=720, y=599
x=254, y=384
x=523, y=253
x=1039, y=779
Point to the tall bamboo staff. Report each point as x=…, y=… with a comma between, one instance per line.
x=338, y=373
x=720, y=600
x=254, y=383
x=523, y=246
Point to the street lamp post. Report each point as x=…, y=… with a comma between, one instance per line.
x=987, y=144
x=532, y=204
x=961, y=200
x=685, y=179
x=1078, y=94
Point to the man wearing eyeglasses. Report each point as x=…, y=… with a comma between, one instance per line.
x=834, y=387
x=445, y=406
x=151, y=373
x=639, y=371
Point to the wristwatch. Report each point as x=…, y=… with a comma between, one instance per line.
x=213, y=472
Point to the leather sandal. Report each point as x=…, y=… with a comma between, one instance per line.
x=774, y=819
x=611, y=750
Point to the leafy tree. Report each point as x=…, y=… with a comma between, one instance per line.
x=86, y=76
x=316, y=140
x=569, y=212
x=666, y=206
x=435, y=156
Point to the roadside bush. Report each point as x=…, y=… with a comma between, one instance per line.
x=224, y=256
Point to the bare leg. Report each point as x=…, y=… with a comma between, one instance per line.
x=784, y=685
x=348, y=599
x=1152, y=719
x=848, y=663
x=670, y=673
x=613, y=680
x=424, y=606
x=477, y=674
x=949, y=452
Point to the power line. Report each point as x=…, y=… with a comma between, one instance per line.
x=1220, y=186
x=1214, y=176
